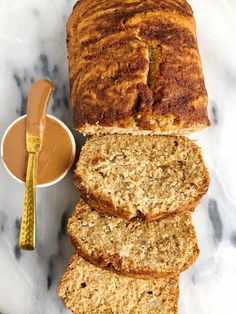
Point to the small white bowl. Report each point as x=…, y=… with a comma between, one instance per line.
x=63, y=174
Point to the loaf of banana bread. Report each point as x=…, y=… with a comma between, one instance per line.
x=135, y=67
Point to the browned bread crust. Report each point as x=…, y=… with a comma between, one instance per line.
x=86, y=289
x=136, y=248
x=135, y=67
x=148, y=176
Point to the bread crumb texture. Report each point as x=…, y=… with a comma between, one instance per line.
x=86, y=289
x=134, y=248
x=135, y=67
x=147, y=176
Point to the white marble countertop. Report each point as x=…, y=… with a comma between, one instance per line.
x=33, y=45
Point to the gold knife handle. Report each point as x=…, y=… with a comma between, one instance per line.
x=28, y=223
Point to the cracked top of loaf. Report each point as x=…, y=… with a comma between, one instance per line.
x=135, y=67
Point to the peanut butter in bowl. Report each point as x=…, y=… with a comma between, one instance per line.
x=53, y=161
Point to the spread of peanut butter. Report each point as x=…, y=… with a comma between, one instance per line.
x=54, y=158
x=38, y=99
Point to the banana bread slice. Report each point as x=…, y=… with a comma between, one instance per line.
x=86, y=289
x=134, y=248
x=151, y=176
x=135, y=67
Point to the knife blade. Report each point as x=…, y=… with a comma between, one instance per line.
x=38, y=99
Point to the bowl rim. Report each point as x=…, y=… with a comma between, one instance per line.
x=62, y=176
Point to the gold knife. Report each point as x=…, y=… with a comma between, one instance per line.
x=37, y=104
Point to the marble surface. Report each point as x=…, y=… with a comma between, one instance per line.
x=33, y=45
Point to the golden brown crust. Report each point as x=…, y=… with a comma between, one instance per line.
x=88, y=8
x=135, y=65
